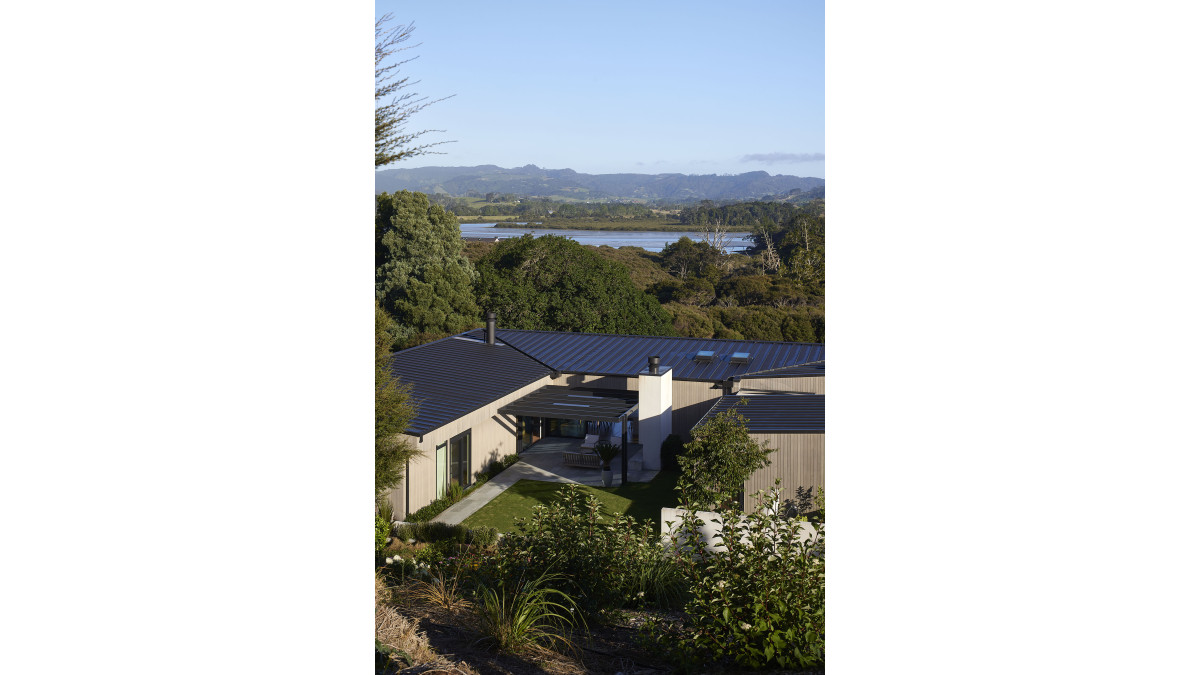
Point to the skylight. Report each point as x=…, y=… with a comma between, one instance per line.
x=740, y=357
x=704, y=356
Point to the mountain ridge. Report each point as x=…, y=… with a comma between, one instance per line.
x=533, y=181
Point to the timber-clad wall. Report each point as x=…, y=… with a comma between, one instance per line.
x=691, y=400
x=807, y=385
x=798, y=460
x=492, y=436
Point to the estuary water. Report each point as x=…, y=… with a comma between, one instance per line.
x=651, y=240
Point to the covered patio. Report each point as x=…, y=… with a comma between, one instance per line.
x=600, y=410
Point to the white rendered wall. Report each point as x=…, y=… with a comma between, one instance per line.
x=654, y=415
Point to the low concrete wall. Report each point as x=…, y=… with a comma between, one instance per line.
x=670, y=519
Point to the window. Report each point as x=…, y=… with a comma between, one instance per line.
x=442, y=480
x=460, y=460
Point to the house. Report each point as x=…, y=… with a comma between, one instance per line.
x=487, y=393
x=793, y=425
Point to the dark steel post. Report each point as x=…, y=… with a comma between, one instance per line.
x=624, y=450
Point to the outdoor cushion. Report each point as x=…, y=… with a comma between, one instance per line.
x=589, y=441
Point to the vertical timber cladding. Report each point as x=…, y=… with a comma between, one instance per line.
x=690, y=401
x=492, y=437
x=798, y=461
x=805, y=385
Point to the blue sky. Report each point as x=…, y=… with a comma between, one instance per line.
x=695, y=87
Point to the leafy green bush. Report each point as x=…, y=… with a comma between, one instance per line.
x=385, y=510
x=719, y=460
x=494, y=468
x=602, y=565
x=758, y=604
x=429, y=511
x=382, y=529
x=672, y=447
x=432, y=532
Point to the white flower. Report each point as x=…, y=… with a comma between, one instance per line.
x=744, y=625
x=388, y=561
x=412, y=541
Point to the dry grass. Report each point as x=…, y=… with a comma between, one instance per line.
x=442, y=591
x=400, y=633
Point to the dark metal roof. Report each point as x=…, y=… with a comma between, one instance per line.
x=817, y=368
x=572, y=404
x=775, y=413
x=456, y=375
x=625, y=355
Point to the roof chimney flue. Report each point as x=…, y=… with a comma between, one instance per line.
x=490, y=317
x=652, y=364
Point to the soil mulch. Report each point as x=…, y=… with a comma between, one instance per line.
x=607, y=649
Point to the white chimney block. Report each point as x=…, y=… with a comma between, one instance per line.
x=654, y=415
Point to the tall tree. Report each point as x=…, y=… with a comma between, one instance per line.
x=422, y=277
x=393, y=410
x=686, y=257
x=394, y=107
x=554, y=283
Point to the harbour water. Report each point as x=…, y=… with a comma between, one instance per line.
x=654, y=240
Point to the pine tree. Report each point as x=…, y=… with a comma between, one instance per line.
x=422, y=277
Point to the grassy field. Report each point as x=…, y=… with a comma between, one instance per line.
x=484, y=219
x=638, y=500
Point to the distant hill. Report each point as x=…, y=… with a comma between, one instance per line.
x=533, y=181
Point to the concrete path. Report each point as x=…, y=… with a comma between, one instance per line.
x=542, y=461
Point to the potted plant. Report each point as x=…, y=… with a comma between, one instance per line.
x=607, y=452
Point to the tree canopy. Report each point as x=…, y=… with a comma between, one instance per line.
x=393, y=409
x=422, y=277
x=686, y=257
x=394, y=107
x=554, y=283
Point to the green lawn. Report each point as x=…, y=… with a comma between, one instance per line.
x=639, y=500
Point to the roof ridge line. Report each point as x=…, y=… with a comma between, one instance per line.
x=522, y=352
x=659, y=337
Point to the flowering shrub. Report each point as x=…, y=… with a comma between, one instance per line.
x=761, y=602
x=602, y=565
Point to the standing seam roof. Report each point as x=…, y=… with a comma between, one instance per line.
x=455, y=376
x=775, y=413
x=625, y=355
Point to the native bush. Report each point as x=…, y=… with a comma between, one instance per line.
x=672, y=447
x=604, y=565
x=756, y=602
x=431, y=510
x=382, y=528
x=494, y=468
x=719, y=460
